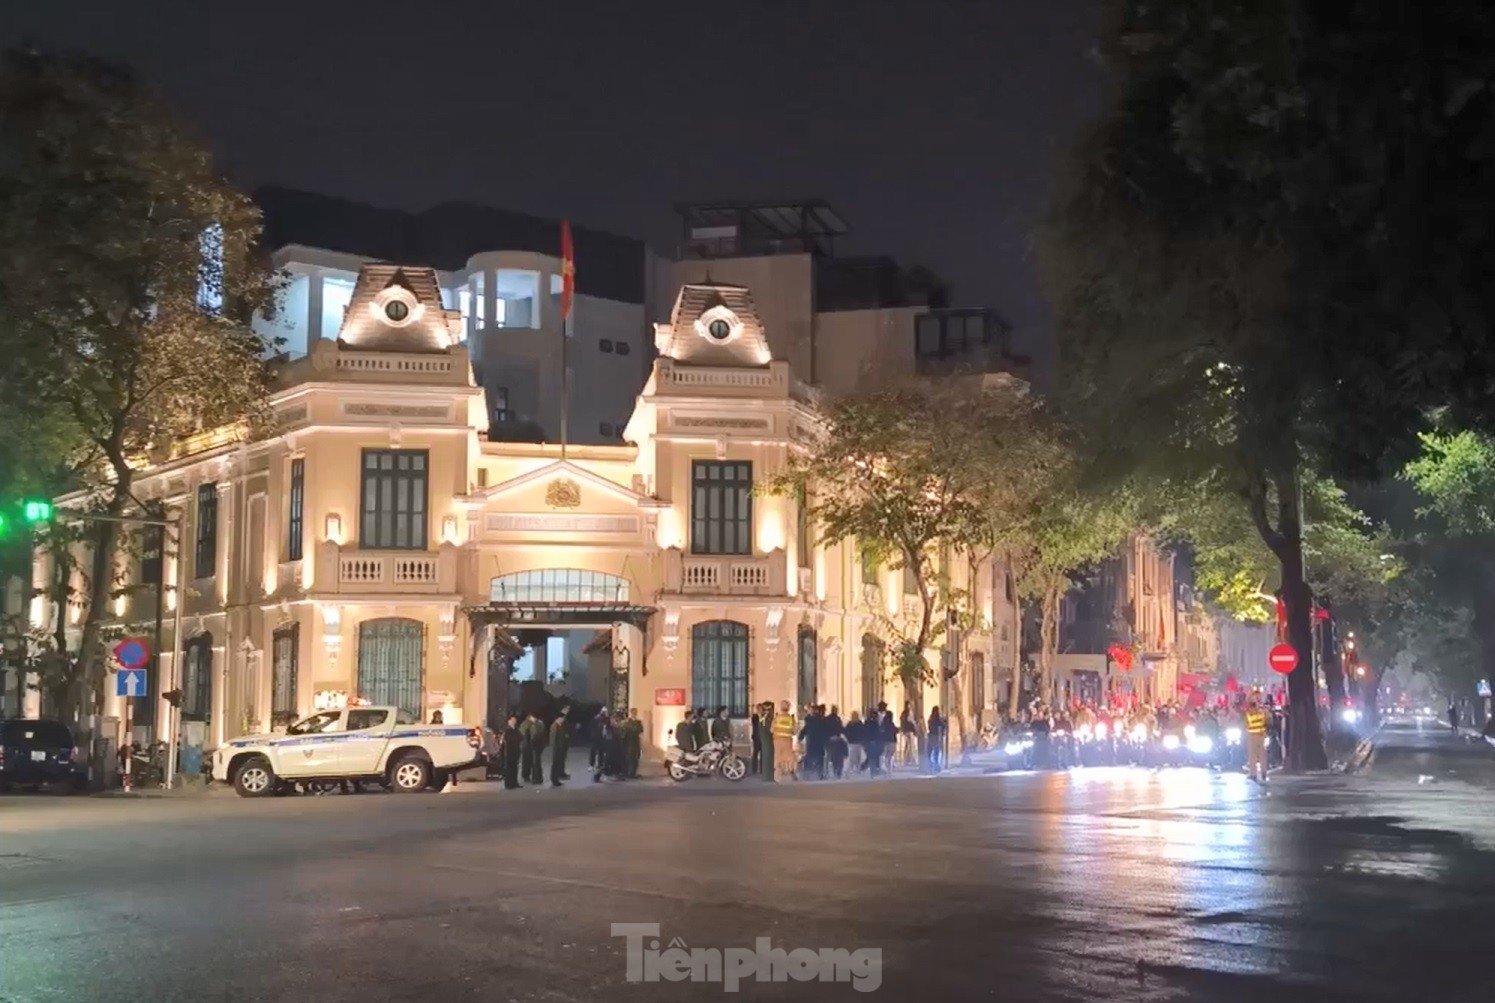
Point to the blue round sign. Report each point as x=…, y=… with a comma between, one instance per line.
x=132, y=653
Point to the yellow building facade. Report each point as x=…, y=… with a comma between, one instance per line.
x=374, y=544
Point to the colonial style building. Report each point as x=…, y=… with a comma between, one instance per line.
x=377, y=543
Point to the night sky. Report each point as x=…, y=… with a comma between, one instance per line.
x=930, y=124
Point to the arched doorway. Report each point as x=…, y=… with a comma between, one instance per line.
x=719, y=666
x=873, y=663
x=391, y=662
x=808, y=674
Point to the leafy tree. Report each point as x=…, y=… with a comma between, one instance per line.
x=915, y=472
x=1347, y=558
x=129, y=272
x=1072, y=529
x=1263, y=255
x=1455, y=538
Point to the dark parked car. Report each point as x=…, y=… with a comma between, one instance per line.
x=33, y=753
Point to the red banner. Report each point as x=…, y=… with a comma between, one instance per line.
x=673, y=697
x=568, y=270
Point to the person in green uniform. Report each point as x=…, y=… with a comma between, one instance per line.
x=533, y=733
x=560, y=744
x=633, y=743
x=765, y=733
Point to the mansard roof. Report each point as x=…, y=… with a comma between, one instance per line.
x=714, y=324
x=370, y=322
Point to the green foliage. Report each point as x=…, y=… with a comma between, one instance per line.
x=1455, y=476
x=129, y=272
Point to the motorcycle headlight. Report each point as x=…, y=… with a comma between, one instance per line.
x=1189, y=731
x=1170, y=742
x=1350, y=714
x=1201, y=745
x=1084, y=732
x=1139, y=733
x=1233, y=736
x=1100, y=732
x=1013, y=748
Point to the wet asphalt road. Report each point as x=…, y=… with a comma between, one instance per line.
x=1093, y=884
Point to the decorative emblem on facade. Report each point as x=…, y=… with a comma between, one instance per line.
x=564, y=493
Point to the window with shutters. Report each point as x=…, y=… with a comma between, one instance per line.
x=873, y=657
x=295, y=517
x=206, y=554
x=719, y=666
x=197, y=678
x=284, y=669
x=721, y=517
x=393, y=500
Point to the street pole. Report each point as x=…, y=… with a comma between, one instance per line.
x=176, y=645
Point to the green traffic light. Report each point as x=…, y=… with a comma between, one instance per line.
x=37, y=510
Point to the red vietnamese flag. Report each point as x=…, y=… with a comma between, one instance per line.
x=568, y=270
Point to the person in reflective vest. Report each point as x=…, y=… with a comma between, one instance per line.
x=783, y=743
x=1256, y=740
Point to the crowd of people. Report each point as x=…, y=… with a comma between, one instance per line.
x=819, y=744
x=519, y=750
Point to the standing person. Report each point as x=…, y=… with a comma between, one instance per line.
x=1256, y=740
x=755, y=725
x=685, y=732
x=765, y=731
x=594, y=736
x=872, y=741
x=1453, y=717
x=510, y=746
x=703, y=728
x=783, y=743
x=607, y=751
x=533, y=732
x=813, y=735
x=856, y=752
x=633, y=742
x=560, y=744
x=908, y=737
x=937, y=728
x=835, y=741
x=889, y=733
x=721, y=727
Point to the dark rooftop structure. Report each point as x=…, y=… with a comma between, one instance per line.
x=445, y=236
x=741, y=229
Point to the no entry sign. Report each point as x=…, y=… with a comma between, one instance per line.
x=132, y=653
x=1283, y=658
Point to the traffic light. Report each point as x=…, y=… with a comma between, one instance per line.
x=36, y=510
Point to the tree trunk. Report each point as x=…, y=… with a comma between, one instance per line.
x=1304, y=739
x=88, y=666
x=1049, y=637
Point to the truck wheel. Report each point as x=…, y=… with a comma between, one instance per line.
x=255, y=779
x=409, y=774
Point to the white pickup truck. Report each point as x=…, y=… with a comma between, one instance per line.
x=377, y=744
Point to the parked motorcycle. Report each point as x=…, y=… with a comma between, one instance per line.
x=713, y=757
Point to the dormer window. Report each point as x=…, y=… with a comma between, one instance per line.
x=396, y=306
x=719, y=325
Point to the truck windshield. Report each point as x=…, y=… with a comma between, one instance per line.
x=317, y=723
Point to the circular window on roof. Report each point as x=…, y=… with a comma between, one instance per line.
x=719, y=329
x=396, y=310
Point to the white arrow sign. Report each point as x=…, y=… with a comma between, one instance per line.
x=130, y=683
